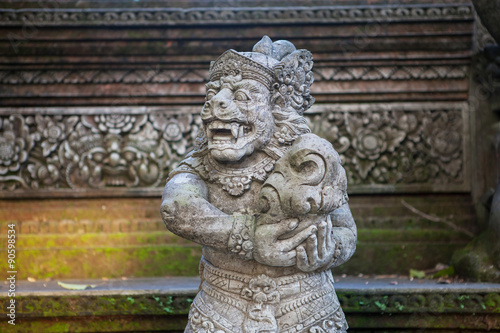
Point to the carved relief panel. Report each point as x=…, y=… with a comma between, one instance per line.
x=384, y=148
x=91, y=152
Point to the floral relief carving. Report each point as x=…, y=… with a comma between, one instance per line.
x=51, y=131
x=371, y=136
x=396, y=146
x=179, y=131
x=443, y=134
x=91, y=151
x=15, y=144
x=377, y=146
x=116, y=123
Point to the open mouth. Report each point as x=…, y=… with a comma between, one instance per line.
x=220, y=132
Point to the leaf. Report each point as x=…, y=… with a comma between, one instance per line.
x=72, y=286
x=449, y=271
x=417, y=274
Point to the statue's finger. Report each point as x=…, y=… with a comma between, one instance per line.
x=294, y=241
x=330, y=242
x=322, y=239
x=269, y=256
x=302, y=261
x=312, y=249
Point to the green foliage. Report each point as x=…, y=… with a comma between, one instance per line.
x=414, y=273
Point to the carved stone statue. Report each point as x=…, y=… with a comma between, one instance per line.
x=266, y=199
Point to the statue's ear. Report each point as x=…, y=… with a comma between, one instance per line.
x=319, y=176
x=308, y=159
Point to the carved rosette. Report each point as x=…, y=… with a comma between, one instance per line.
x=15, y=144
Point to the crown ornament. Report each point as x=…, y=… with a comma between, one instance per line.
x=284, y=70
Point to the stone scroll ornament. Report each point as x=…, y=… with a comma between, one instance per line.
x=266, y=199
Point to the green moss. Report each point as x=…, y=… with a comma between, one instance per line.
x=381, y=306
x=112, y=262
x=492, y=302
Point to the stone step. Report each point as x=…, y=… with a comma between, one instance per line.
x=387, y=304
x=161, y=253
x=95, y=238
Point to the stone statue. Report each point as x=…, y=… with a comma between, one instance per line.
x=266, y=199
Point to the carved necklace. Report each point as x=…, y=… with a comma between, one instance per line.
x=236, y=181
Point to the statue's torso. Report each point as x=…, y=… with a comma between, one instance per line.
x=244, y=204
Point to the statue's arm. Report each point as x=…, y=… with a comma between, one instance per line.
x=344, y=233
x=186, y=212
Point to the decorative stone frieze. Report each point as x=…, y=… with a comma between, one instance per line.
x=177, y=16
x=410, y=146
x=398, y=144
x=95, y=151
x=138, y=76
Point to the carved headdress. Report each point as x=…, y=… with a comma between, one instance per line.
x=286, y=71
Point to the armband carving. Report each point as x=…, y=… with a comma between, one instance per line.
x=242, y=235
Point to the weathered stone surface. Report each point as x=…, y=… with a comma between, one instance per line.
x=265, y=198
x=480, y=260
x=391, y=59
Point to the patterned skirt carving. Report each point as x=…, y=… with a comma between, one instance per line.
x=230, y=302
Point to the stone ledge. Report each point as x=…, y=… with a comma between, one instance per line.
x=162, y=304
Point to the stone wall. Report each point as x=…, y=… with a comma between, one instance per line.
x=100, y=100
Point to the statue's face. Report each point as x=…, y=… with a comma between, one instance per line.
x=237, y=118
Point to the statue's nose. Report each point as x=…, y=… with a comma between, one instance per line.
x=220, y=106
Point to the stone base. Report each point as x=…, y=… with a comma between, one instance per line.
x=162, y=304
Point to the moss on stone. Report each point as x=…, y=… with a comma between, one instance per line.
x=473, y=261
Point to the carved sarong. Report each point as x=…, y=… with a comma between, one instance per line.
x=250, y=304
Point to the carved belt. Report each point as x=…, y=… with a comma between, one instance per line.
x=287, y=292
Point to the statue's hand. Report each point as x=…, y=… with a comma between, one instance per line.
x=270, y=250
x=319, y=250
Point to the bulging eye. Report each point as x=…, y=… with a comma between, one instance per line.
x=241, y=96
x=98, y=157
x=210, y=95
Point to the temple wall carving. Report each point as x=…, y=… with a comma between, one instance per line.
x=385, y=147
x=100, y=100
x=109, y=105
